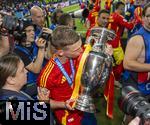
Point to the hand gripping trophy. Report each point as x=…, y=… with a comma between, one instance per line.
x=96, y=69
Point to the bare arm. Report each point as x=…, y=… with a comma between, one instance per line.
x=37, y=64
x=43, y=94
x=57, y=104
x=135, y=51
x=64, y=105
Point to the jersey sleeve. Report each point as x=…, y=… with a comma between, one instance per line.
x=45, y=80
x=123, y=22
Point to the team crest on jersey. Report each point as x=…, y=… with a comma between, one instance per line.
x=63, y=79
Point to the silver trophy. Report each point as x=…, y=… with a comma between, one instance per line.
x=96, y=69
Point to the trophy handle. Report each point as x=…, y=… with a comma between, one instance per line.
x=91, y=40
x=107, y=70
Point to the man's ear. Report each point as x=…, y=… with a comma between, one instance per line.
x=60, y=52
x=10, y=80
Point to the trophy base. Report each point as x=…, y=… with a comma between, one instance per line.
x=85, y=104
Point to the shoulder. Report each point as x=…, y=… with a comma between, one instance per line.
x=24, y=55
x=50, y=65
x=47, y=73
x=119, y=17
x=115, y=17
x=11, y=95
x=136, y=40
x=19, y=49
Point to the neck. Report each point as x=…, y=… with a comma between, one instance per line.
x=117, y=11
x=63, y=60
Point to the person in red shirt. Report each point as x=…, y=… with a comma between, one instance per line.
x=134, y=13
x=58, y=76
x=117, y=23
x=108, y=4
x=93, y=14
x=102, y=21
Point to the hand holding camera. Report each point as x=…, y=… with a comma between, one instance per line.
x=41, y=43
x=45, y=34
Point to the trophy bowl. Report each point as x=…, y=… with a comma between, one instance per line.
x=99, y=37
x=91, y=75
x=96, y=69
x=103, y=34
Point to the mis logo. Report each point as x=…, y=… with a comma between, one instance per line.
x=23, y=111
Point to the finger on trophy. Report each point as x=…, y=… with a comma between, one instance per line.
x=69, y=104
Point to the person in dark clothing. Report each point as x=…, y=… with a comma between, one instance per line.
x=67, y=20
x=32, y=55
x=137, y=59
x=13, y=77
x=55, y=17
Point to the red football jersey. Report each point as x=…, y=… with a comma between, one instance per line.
x=52, y=78
x=92, y=17
x=117, y=23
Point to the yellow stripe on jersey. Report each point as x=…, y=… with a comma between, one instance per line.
x=42, y=79
x=42, y=83
x=63, y=79
x=45, y=74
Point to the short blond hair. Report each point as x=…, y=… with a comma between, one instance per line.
x=63, y=36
